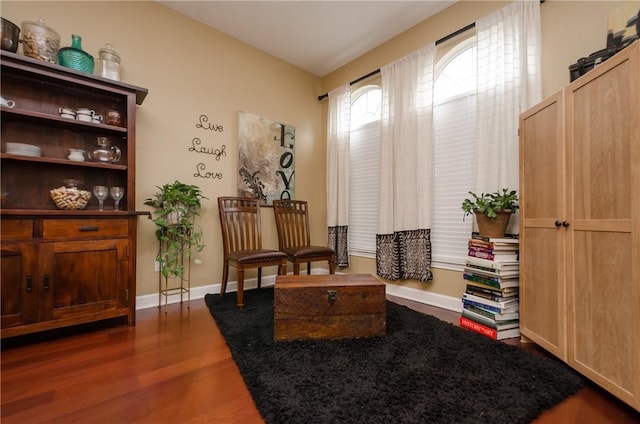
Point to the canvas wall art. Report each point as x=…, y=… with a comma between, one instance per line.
x=266, y=165
x=623, y=25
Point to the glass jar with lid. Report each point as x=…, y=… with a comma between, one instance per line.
x=40, y=41
x=108, y=63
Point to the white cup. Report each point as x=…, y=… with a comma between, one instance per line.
x=66, y=110
x=67, y=115
x=97, y=119
x=85, y=111
x=7, y=103
x=83, y=117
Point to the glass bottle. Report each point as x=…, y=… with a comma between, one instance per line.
x=108, y=65
x=76, y=41
x=74, y=57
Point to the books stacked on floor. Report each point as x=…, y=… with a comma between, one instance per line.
x=490, y=303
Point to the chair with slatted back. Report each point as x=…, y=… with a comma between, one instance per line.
x=242, y=242
x=294, y=239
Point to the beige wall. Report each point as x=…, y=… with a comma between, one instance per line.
x=570, y=29
x=189, y=70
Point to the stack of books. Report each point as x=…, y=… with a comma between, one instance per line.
x=490, y=301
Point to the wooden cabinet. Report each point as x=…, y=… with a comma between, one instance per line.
x=64, y=267
x=580, y=225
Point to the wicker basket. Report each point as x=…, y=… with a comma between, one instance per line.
x=76, y=59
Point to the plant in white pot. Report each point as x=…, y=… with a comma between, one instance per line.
x=176, y=207
x=492, y=210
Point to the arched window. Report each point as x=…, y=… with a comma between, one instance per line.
x=364, y=179
x=456, y=72
x=366, y=105
x=453, y=153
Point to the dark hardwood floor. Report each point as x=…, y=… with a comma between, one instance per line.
x=175, y=368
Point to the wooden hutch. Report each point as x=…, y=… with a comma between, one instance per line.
x=64, y=267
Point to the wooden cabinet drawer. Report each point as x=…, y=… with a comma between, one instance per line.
x=81, y=228
x=16, y=228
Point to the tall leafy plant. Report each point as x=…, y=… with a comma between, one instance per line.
x=176, y=207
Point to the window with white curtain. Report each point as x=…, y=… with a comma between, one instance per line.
x=364, y=176
x=454, y=114
x=453, y=153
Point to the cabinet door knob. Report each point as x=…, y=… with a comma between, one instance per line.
x=558, y=224
x=565, y=224
x=45, y=285
x=29, y=283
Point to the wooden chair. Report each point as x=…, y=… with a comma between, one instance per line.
x=242, y=242
x=294, y=239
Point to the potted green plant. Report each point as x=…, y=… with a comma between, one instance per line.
x=176, y=207
x=492, y=210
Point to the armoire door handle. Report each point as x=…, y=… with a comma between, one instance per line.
x=558, y=224
x=565, y=224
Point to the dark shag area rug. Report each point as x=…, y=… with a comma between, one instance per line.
x=424, y=371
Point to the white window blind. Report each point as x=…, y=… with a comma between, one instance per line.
x=364, y=182
x=453, y=176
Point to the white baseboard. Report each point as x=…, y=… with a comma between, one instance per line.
x=151, y=300
x=416, y=295
x=425, y=297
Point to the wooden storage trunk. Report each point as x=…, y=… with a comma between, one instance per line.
x=329, y=307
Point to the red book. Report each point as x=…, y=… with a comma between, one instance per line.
x=488, y=331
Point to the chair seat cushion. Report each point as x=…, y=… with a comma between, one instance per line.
x=308, y=251
x=249, y=256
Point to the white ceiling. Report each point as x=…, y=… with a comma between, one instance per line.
x=317, y=36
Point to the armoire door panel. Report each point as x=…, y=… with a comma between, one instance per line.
x=541, y=298
x=541, y=192
x=602, y=129
x=602, y=310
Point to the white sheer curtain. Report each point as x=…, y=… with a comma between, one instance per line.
x=509, y=82
x=338, y=131
x=403, y=243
